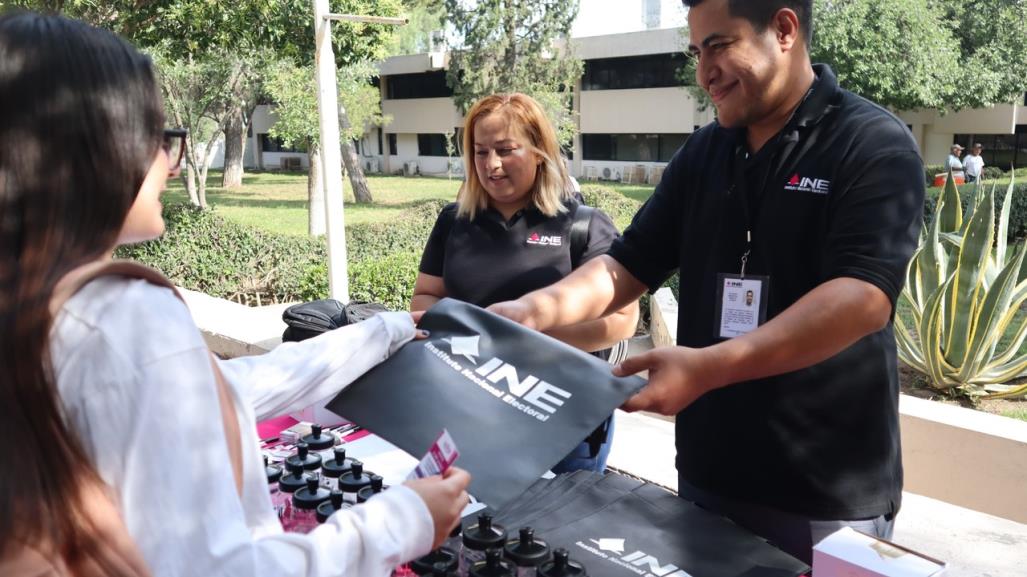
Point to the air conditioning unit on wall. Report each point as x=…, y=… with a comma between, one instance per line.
x=371, y=165
x=456, y=166
x=291, y=163
x=410, y=169
x=611, y=174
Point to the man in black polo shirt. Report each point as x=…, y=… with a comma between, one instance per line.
x=811, y=198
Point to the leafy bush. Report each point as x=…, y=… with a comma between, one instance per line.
x=619, y=207
x=964, y=288
x=388, y=280
x=932, y=169
x=992, y=173
x=1017, y=214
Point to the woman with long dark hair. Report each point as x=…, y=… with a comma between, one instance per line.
x=109, y=400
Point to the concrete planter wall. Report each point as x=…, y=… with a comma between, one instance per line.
x=961, y=456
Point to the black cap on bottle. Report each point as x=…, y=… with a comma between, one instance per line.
x=355, y=480
x=312, y=495
x=492, y=566
x=441, y=570
x=442, y=556
x=562, y=566
x=484, y=535
x=309, y=461
x=333, y=504
x=294, y=481
x=371, y=490
x=318, y=441
x=273, y=473
x=526, y=550
x=338, y=466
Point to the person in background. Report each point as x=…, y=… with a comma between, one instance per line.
x=113, y=401
x=953, y=162
x=812, y=197
x=509, y=233
x=973, y=164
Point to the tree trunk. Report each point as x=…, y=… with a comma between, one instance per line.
x=235, y=146
x=189, y=178
x=316, y=193
x=361, y=193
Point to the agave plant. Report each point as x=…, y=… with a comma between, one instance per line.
x=964, y=287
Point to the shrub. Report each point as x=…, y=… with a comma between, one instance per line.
x=619, y=207
x=964, y=287
x=388, y=280
x=992, y=173
x=932, y=169
x=1017, y=212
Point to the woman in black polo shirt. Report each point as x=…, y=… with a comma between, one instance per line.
x=508, y=233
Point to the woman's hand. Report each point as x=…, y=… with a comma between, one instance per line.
x=446, y=497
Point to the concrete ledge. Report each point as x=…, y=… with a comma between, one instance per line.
x=964, y=457
x=235, y=330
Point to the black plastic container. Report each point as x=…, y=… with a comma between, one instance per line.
x=303, y=457
x=443, y=556
x=492, y=566
x=304, y=505
x=329, y=507
x=477, y=539
x=353, y=481
x=317, y=440
x=371, y=490
x=335, y=468
x=526, y=552
x=562, y=566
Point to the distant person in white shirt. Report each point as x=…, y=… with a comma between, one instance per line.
x=953, y=162
x=973, y=164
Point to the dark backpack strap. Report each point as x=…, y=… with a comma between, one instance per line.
x=579, y=233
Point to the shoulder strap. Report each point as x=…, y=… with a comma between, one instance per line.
x=579, y=233
x=81, y=276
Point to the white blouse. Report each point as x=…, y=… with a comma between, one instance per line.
x=134, y=375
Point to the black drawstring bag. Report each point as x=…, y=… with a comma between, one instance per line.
x=515, y=401
x=307, y=320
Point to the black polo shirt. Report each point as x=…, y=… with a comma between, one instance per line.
x=838, y=193
x=489, y=259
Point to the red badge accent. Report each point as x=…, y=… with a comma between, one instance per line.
x=795, y=180
x=534, y=237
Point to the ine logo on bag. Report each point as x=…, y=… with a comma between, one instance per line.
x=637, y=562
x=531, y=396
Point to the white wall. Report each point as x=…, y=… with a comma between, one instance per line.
x=422, y=115
x=644, y=111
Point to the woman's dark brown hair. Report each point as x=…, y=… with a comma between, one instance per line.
x=80, y=125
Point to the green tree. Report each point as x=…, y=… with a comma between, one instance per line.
x=423, y=18
x=294, y=92
x=909, y=54
x=516, y=46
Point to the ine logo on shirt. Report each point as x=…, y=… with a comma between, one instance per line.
x=544, y=240
x=806, y=184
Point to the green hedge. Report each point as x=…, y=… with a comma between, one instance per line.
x=1017, y=212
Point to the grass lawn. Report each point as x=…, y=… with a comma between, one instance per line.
x=277, y=201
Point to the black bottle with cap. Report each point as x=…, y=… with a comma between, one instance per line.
x=294, y=481
x=371, y=490
x=303, y=457
x=305, y=502
x=335, y=468
x=479, y=538
x=317, y=440
x=353, y=481
x=273, y=473
x=443, y=556
x=562, y=566
x=526, y=552
x=442, y=570
x=329, y=507
x=492, y=566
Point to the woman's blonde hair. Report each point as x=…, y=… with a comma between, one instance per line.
x=550, y=189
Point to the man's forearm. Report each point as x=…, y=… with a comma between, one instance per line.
x=601, y=333
x=597, y=288
x=821, y=324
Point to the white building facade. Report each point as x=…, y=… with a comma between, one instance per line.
x=632, y=110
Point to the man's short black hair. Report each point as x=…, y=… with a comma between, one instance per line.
x=760, y=12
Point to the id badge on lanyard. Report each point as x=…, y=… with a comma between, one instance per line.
x=741, y=298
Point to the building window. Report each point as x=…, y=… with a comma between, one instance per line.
x=649, y=71
x=434, y=145
x=631, y=147
x=268, y=144
x=392, y=144
x=380, y=148
x=1001, y=150
x=422, y=85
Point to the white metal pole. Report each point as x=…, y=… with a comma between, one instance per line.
x=331, y=152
